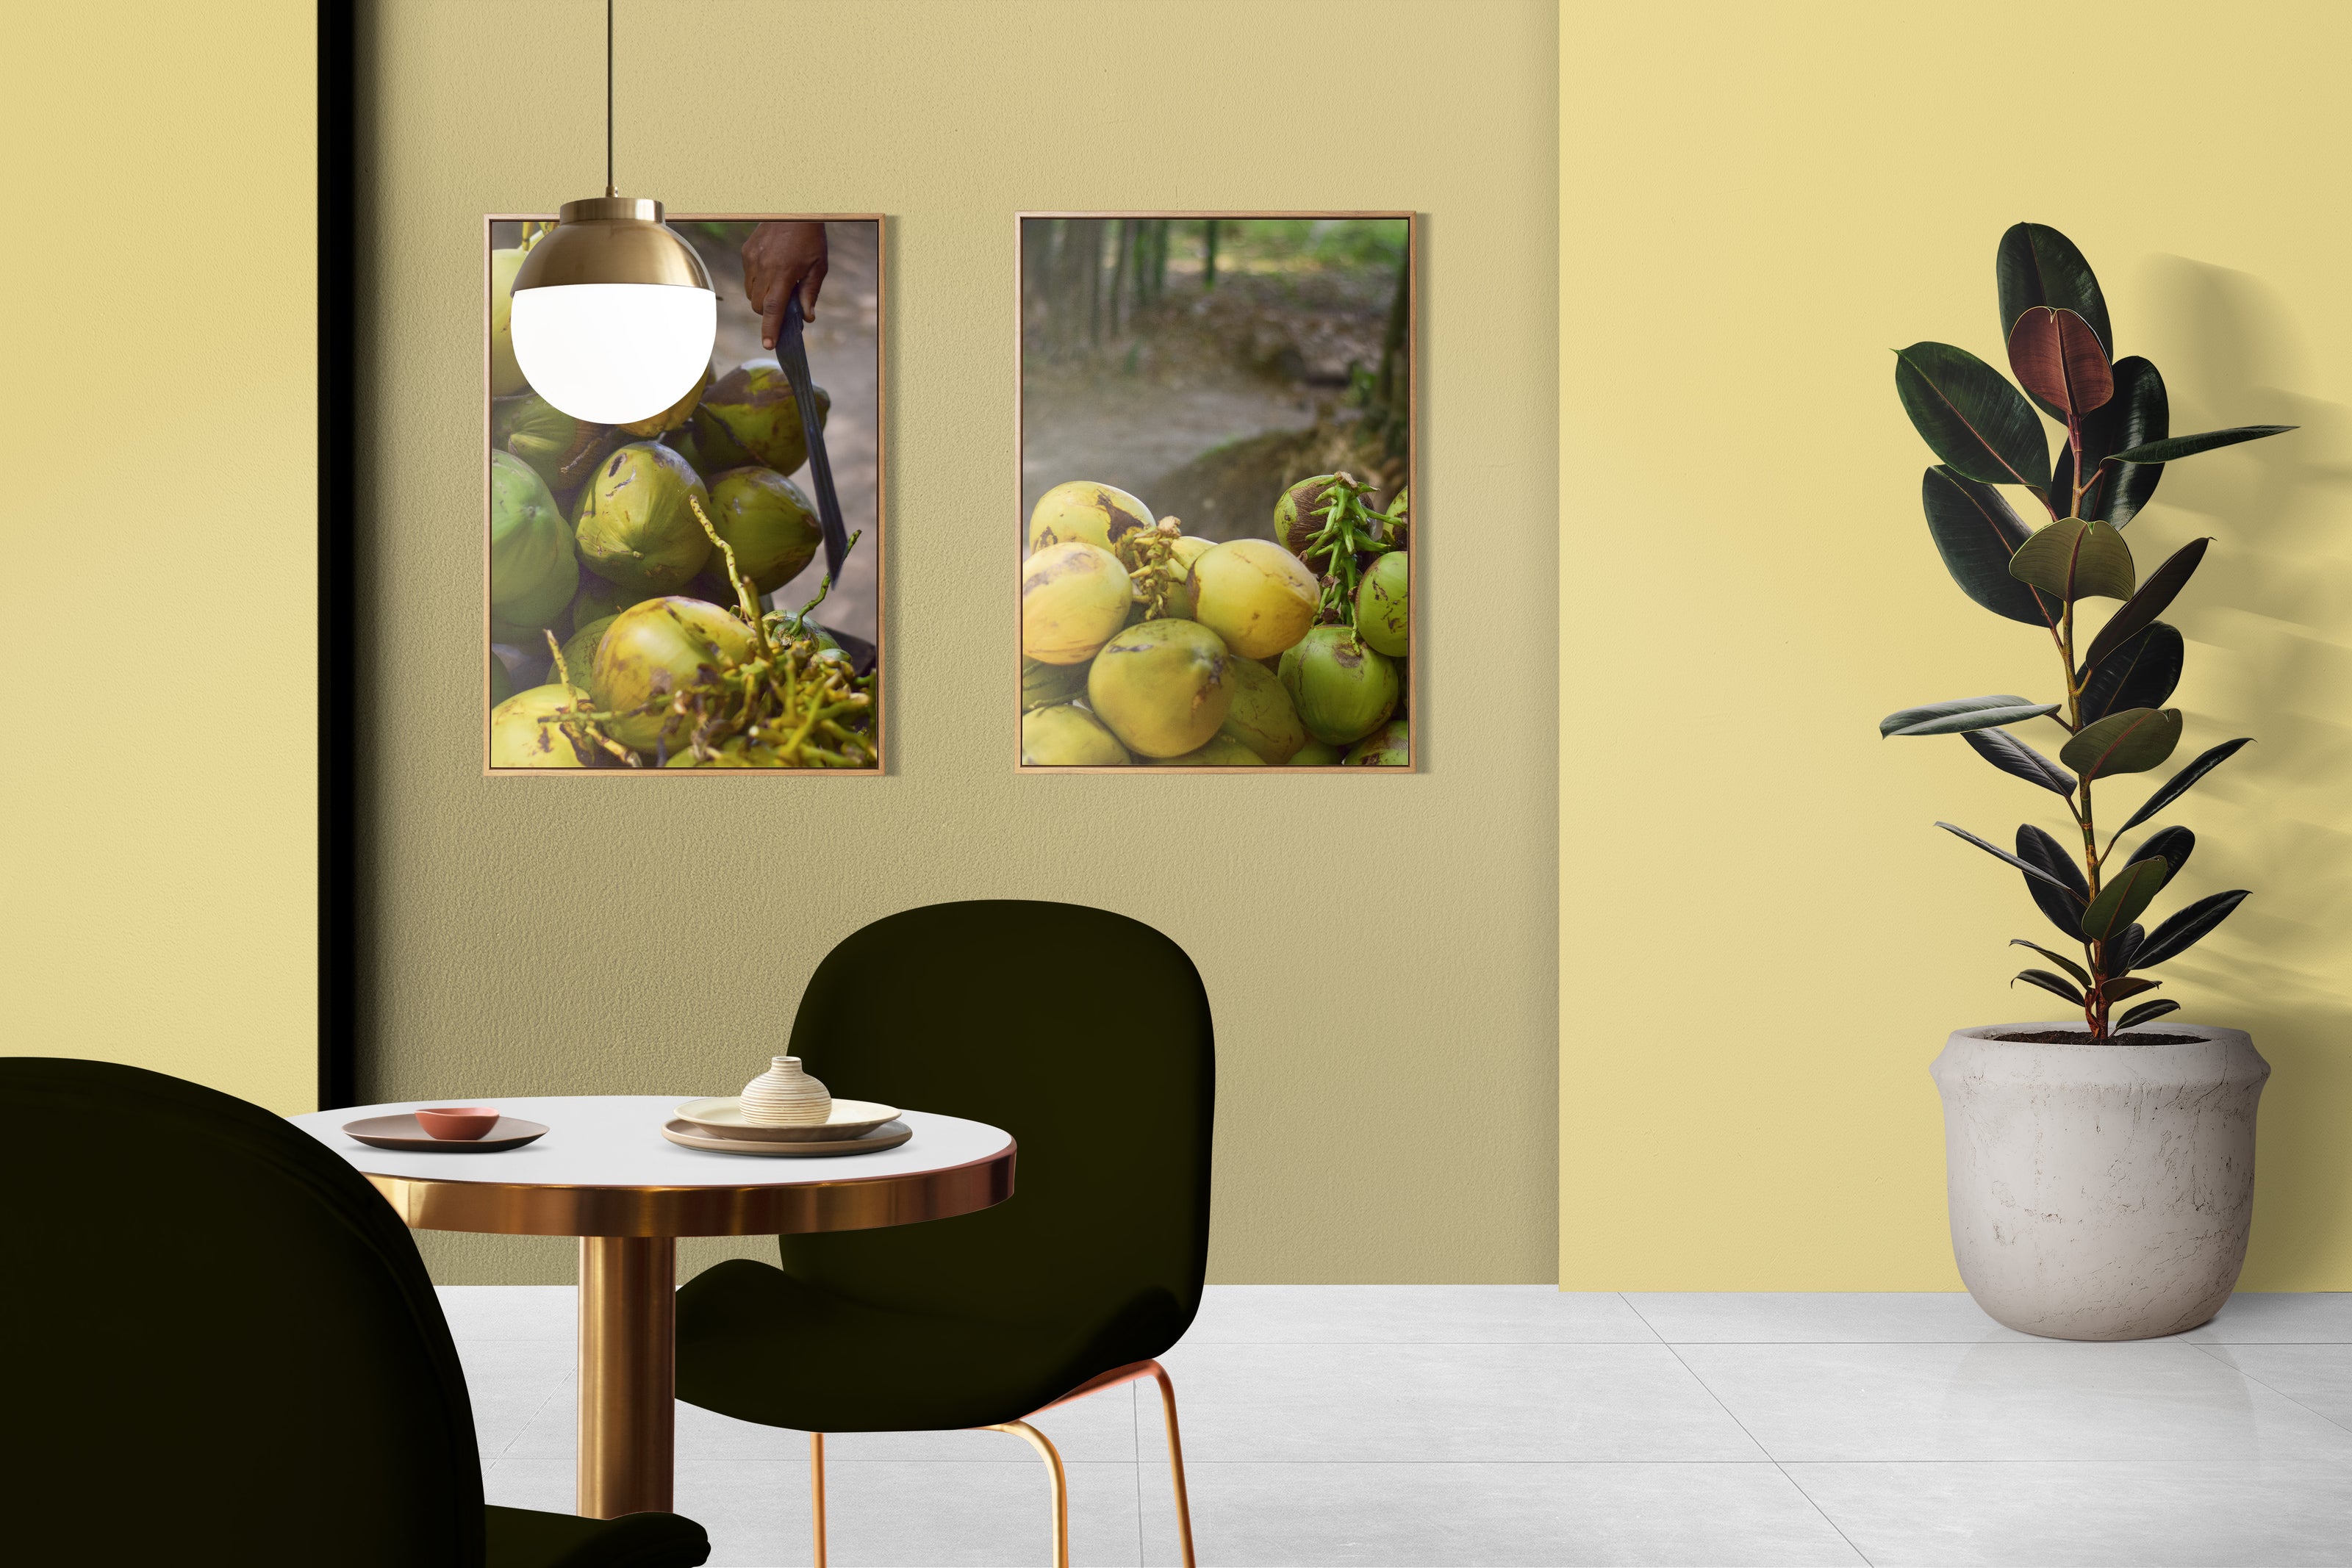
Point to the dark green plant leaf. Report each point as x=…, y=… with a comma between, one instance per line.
x=2053, y=879
x=2058, y=359
x=2135, y=416
x=2152, y=597
x=1976, y=531
x=2120, y=903
x=2174, y=448
x=2120, y=989
x=2146, y=1011
x=2036, y=265
x=1961, y=715
x=1995, y=851
x=2170, y=846
x=2181, y=933
x=1971, y=417
x=2011, y=755
x=2070, y=559
x=2049, y=982
x=2132, y=741
x=2082, y=976
x=2122, y=950
x=2141, y=673
x=2178, y=785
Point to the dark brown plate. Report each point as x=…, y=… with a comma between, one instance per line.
x=402, y=1132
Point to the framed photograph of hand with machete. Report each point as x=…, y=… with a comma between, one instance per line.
x=702, y=589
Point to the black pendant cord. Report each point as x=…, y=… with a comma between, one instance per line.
x=791, y=357
x=610, y=189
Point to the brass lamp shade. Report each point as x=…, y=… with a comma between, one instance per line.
x=611, y=239
x=613, y=316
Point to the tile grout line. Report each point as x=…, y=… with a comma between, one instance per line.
x=2280, y=1392
x=1675, y=1351
x=1135, y=1436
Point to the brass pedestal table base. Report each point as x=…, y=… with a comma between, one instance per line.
x=604, y=1173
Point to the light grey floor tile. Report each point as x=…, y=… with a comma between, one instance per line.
x=1097, y=1430
x=2316, y=1377
x=1408, y=1315
x=2320, y=1317
x=1492, y=1516
x=2047, y=1400
x=1418, y=1401
x=1792, y=1317
x=510, y=1312
x=2172, y=1515
x=509, y=1383
x=898, y=1515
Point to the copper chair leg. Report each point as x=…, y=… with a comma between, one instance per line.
x=1044, y=1445
x=1131, y=1373
x=816, y=1493
x=1175, y=1461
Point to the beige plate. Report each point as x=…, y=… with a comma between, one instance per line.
x=723, y=1117
x=889, y=1136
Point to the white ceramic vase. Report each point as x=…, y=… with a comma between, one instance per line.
x=2100, y=1192
x=785, y=1096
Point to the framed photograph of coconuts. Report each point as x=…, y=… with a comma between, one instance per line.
x=698, y=588
x=1216, y=523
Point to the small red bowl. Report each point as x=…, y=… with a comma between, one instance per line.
x=458, y=1123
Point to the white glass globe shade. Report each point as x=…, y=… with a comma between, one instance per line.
x=613, y=353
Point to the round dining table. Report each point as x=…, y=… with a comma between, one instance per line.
x=605, y=1174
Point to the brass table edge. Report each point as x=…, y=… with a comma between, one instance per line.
x=845, y=1203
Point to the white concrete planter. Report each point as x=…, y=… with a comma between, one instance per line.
x=2100, y=1191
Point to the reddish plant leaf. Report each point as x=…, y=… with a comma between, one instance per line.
x=2057, y=358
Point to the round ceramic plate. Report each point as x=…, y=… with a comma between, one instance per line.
x=723, y=1117
x=889, y=1136
x=403, y=1132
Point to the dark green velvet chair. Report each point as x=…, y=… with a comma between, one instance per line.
x=222, y=1348
x=1086, y=1036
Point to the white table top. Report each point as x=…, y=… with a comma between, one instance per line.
x=615, y=1140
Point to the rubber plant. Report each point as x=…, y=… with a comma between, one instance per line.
x=2114, y=683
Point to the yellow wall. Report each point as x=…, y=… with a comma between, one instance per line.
x=566, y=936
x=156, y=420
x=1763, y=939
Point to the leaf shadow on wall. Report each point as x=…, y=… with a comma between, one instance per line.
x=2272, y=611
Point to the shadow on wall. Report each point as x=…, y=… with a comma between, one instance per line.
x=2272, y=611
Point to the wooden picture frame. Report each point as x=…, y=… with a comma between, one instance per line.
x=874, y=543
x=1411, y=693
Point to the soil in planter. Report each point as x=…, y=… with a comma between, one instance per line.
x=2082, y=1037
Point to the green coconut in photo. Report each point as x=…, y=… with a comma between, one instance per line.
x=506, y=372
x=519, y=739
x=1343, y=690
x=1387, y=746
x=769, y=525
x=1084, y=512
x=580, y=651
x=656, y=650
x=532, y=571
x=749, y=415
x=1073, y=598
x=1220, y=751
x=1163, y=687
x=564, y=450
x=1043, y=684
x=1381, y=613
x=1262, y=716
x=635, y=524
x=1070, y=736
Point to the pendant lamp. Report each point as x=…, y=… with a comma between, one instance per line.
x=613, y=315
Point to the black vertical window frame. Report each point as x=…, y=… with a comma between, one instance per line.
x=338, y=911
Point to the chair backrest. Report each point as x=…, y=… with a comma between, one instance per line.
x=222, y=1345
x=1083, y=1033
